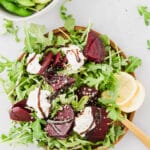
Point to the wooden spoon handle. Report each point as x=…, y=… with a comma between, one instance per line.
x=137, y=132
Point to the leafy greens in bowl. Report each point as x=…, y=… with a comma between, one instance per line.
x=56, y=88
x=78, y=90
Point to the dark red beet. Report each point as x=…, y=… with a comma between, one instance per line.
x=59, y=82
x=46, y=62
x=58, y=59
x=64, y=61
x=94, y=49
x=96, y=111
x=52, y=131
x=52, y=63
x=88, y=91
x=102, y=125
x=60, y=128
x=21, y=103
x=18, y=112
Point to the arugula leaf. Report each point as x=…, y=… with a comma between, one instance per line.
x=11, y=29
x=79, y=105
x=143, y=11
x=69, y=21
x=114, y=113
x=112, y=108
x=4, y=63
x=98, y=75
x=37, y=129
x=69, y=24
x=61, y=41
x=134, y=62
x=115, y=59
x=19, y=83
x=108, y=99
x=35, y=39
x=25, y=133
x=114, y=133
x=105, y=39
x=77, y=37
x=84, y=37
x=148, y=44
x=19, y=133
x=56, y=106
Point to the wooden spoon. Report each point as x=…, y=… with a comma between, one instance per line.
x=145, y=139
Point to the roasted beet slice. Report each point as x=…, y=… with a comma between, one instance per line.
x=102, y=125
x=22, y=103
x=64, y=61
x=62, y=124
x=18, y=112
x=94, y=49
x=46, y=62
x=58, y=59
x=67, y=114
x=52, y=63
x=88, y=91
x=97, y=115
x=52, y=130
x=59, y=82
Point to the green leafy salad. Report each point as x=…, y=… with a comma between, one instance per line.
x=56, y=87
x=143, y=11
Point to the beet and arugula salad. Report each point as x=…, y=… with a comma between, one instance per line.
x=56, y=88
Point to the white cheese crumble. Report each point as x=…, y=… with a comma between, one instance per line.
x=84, y=121
x=74, y=56
x=44, y=104
x=33, y=65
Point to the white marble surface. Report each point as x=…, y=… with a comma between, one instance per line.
x=117, y=18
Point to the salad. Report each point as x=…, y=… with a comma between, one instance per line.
x=24, y=7
x=70, y=88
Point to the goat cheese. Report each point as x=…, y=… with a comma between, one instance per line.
x=84, y=122
x=39, y=103
x=33, y=65
x=74, y=56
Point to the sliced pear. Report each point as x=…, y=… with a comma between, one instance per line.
x=131, y=93
x=136, y=101
x=127, y=88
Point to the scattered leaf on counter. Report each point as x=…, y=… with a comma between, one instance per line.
x=11, y=29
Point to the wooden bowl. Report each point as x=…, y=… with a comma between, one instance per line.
x=61, y=32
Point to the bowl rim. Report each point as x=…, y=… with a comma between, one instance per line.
x=14, y=17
